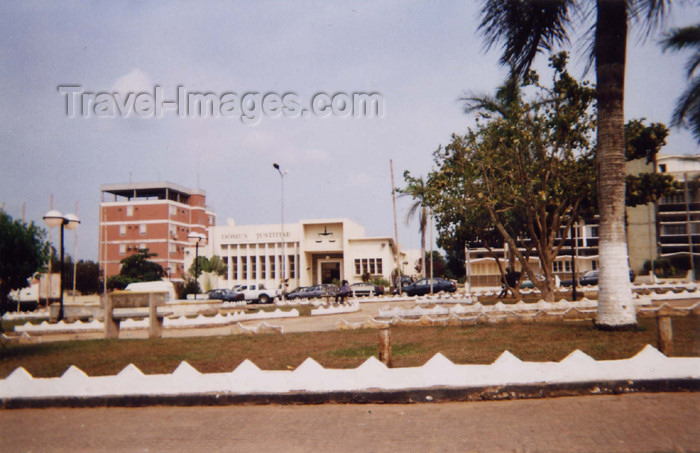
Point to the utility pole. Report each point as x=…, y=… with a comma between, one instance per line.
x=688, y=226
x=396, y=230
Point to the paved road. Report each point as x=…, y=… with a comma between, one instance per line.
x=641, y=422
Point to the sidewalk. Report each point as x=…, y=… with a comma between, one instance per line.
x=639, y=423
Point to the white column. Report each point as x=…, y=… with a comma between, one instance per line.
x=247, y=263
x=296, y=263
x=229, y=275
x=258, y=265
x=238, y=262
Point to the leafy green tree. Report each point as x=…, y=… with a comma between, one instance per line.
x=439, y=264
x=644, y=142
x=217, y=266
x=23, y=250
x=521, y=173
x=687, y=111
x=527, y=27
x=201, y=264
x=87, y=279
x=204, y=264
x=136, y=268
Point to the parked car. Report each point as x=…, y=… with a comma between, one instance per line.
x=291, y=294
x=325, y=290
x=225, y=295
x=366, y=289
x=422, y=286
x=590, y=278
x=257, y=293
x=405, y=281
x=529, y=284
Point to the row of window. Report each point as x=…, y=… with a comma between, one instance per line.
x=565, y=266
x=267, y=264
x=123, y=248
x=123, y=228
x=372, y=266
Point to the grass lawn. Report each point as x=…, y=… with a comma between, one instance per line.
x=412, y=346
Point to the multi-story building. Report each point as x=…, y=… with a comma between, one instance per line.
x=156, y=216
x=669, y=228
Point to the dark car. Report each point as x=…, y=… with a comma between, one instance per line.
x=423, y=285
x=405, y=281
x=366, y=289
x=292, y=294
x=225, y=295
x=325, y=290
x=590, y=278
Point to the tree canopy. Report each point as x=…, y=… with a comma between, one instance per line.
x=136, y=268
x=523, y=171
x=23, y=251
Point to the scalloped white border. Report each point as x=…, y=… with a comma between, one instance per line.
x=310, y=376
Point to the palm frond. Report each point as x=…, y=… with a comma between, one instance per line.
x=681, y=38
x=678, y=38
x=687, y=111
x=526, y=27
x=649, y=13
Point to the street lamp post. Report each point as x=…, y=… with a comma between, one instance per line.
x=70, y=222
x=284, y=257
x=196, y=238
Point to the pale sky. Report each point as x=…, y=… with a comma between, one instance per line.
x=420, y=56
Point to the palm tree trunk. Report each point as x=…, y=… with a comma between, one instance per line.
x=615, y=306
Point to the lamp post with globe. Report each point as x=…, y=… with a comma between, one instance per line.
x=196, y=239
x=68, y=222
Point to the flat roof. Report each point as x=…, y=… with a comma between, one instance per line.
x=145, y=189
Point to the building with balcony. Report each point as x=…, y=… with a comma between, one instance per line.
x=667, y=229
x=156, y=216
x=670, y=228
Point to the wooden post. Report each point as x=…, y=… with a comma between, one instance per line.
x=111, y=324
x=665, y=328
x=385, y=346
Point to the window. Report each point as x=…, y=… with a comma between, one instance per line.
x=273, y=272
x=254, y=266
x=122, y=249
x=594, y=265
x=244, y=259
x=372, y=266
x=292, y=269
x=263, y=267
x=142, y=229
x=129, y=210
x=675, y=229
x=122, y=230
x=234, y=264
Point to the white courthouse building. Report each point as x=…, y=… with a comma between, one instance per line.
x=306, y=253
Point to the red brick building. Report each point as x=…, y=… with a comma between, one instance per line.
x=157, y=216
